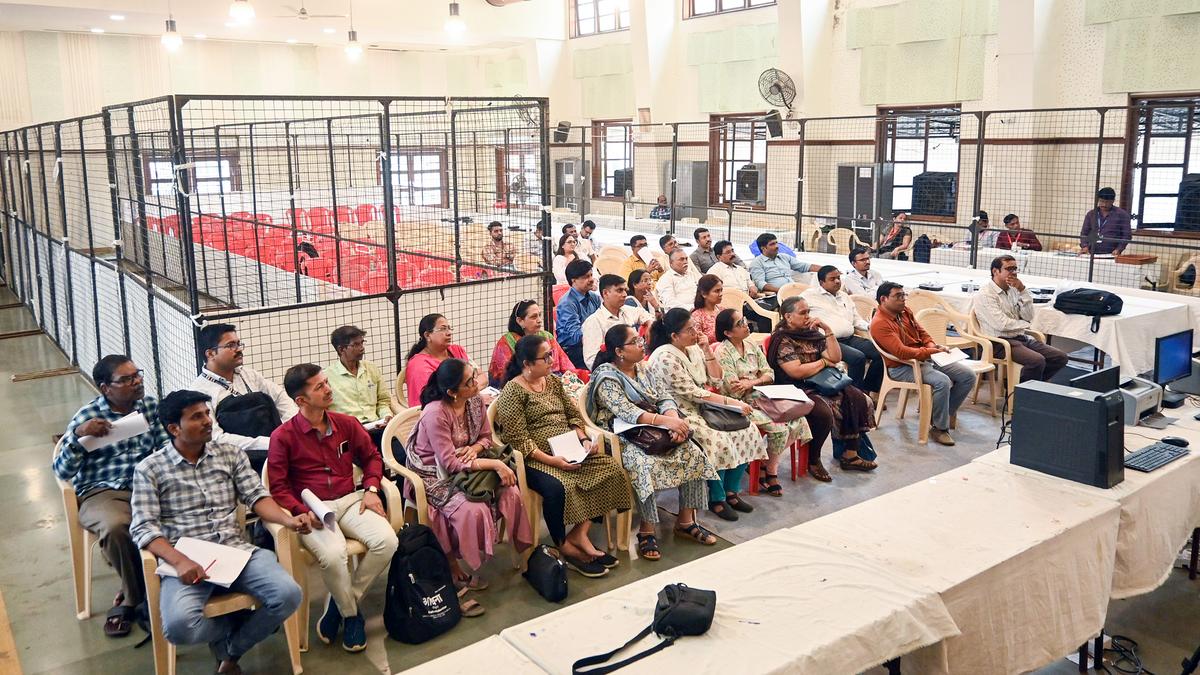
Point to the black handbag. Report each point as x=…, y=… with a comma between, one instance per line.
x=723, y=419
x=829, y=381
x=252, y=414
x=653, y=440
x=681, y=610
x=547, y=573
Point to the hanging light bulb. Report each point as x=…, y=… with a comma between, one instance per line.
x=241, y=11
x=171, y=39
x=353, y=49
x=454, y=23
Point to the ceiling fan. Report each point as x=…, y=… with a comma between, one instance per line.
x=303, y=15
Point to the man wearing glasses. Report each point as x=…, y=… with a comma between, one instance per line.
x=1004, y=309
x=103, y=476
x=861, y=279
x=223, y=377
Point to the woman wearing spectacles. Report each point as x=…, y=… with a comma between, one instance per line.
x=563, y=257
x=526, y=319
x=532, y=408
x=709, y=292
x=744, y=367
x=682, y=366
x=435, y=344
x=622, y=389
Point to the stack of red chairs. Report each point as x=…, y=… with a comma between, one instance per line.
x=366, y=213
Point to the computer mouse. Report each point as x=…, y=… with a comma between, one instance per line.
x=1196, y=416
x=1175, y=440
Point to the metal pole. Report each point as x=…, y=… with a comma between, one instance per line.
x=337, y=230
x=224, y=217
x=389, y=225
x=87, y=209
x=287, y=140
x=503, y=168
x=800, y=190
x=675, y=176
x=51, y=286
x=585, y=190
x=454, y=184
x=66, y=242
x=547, y=268
x=977, y=202
x=262, y=287
x=140, y=192
x=37, y=266
x=118, y=244
x=1095, y=189
x=183, y=208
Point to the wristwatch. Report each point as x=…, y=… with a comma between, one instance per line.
x=373, y=489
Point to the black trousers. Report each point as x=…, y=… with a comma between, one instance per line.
x=554, y=502
x=864, y=365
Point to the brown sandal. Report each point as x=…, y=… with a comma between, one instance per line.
x=818, y=472
x=858, y=464
x=119, y=622
x=698, y=533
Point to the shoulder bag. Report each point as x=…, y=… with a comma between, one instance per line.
x=722, y=418
x=681, y=611
x=829, y=381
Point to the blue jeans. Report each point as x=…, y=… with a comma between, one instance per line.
x=182, y=608
x=951, y=386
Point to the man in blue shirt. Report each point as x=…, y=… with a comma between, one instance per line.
x=577, y=305
x=771, y=270
x=103, y=477
x=1108, y=223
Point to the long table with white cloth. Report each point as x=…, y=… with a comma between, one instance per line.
x=1104, y=269
x=493, y=656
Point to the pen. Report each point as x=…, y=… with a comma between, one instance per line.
x=206, y=569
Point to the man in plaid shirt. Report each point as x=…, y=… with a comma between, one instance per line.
x=102, y=477
x=191, y=488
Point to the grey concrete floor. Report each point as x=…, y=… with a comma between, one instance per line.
x=35, y=572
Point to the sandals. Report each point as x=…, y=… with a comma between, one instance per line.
x=698, y=533
x=648, y=546
x=737, y=503
x=473, y=583
x=118, y=622
x=858, y=464
x=722, y=510
x=765, y=486
x=471, y=608
x=818, y=472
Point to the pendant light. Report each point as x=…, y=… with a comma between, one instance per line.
x=171, y=40
x=354, y=50
x=241, y=11
x=454, y=23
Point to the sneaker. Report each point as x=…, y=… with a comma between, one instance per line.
x=606, y=560
x=940, y=436
x=590, y=569
x=330, y=622
x=355, y=637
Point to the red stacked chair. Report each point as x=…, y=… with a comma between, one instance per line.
x=321, y=268
x=366, y=213
x=320, y=219
x=433, y=276
x=170, y=225
x=344, y=216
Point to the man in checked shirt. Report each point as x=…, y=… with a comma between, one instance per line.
x=102, y=478
x=191, y=488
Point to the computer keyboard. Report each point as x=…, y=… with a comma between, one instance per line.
x=1153, y=456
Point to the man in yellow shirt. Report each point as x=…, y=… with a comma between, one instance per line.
x=635, y=262
x=358, y=387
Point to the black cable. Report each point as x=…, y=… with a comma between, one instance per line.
x=1126, y=661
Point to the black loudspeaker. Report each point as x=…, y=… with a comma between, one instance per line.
x=935, y=193
x=1187, y=209
x=622, y=181
x=748, y=178
x=561, y=133
x=774, y=124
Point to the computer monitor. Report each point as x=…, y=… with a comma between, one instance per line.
x=1101, y=381
x=1172, y=357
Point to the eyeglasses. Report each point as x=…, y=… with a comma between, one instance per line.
x=548, y=357
x=443, y=329
x=741, y=322
x=639, y=341
x=232, y=345
x=1011, y=269
x=128, y=379
x=862, y=260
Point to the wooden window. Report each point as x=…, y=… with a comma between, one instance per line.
x=917, y=140
x=612, y=148
x=736, y=143
x=1163, y=145
x=419, y=177
x=710, y=7
x=590, y=17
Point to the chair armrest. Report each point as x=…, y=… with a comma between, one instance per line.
x=396, y=407
x=1038, y=335
x=521, y=482
x=394, y=503
x=413, y=479
x=985, y=346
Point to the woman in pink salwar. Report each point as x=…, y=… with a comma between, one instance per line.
x=451, y=437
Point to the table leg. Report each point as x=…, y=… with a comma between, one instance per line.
x=1098, y=650
x=893, y=666
x=1195, y=553
x=1083, y=653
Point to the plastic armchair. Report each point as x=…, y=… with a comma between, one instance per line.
x=217, y=605
x=1008, y=370
x=845, y=240
x=398, y=392
x=623, y=523
x=936, y=321
x=81, y=541
x=865, y=306
x=791, y=288
x=734, y=298
x=924, y=394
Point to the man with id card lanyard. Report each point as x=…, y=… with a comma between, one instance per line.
x=317, y=450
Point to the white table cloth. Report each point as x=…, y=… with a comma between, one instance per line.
x=1158, y=509
x=784, y=605
x=1025, y=567
x=1049, y=264
x=492, y=656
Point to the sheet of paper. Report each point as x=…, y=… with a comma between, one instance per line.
x=224, y=563
x=946, y=358
x=371, y=426
x=646, y=255
x=568, y=446
x=128, y=426
x=785, y=392
x=621, y=426
x=319, y=509
x=490, y=391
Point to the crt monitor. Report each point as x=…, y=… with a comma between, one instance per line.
x=1172, y=357
x=1101, y=381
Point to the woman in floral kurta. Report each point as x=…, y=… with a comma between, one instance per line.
x=709, y=292
x=621, y=388
x=744, y=366
x=681, y=366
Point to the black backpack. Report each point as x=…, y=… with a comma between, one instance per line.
x=1089, y=302
x=921, y=248
x=421, y=601
x=252, y=414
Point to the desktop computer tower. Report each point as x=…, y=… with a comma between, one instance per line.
x=1070, y=433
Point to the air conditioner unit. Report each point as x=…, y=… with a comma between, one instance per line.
x=752, y=184
x=691, y=189
x=570, y=184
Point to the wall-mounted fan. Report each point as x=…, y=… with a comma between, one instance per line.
x=777, y=88
x=303, y=15
x=524, y=112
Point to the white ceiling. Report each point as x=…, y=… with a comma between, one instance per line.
x=392, y=24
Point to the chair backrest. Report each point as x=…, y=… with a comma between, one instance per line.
x=734, y=298
x=400, y=388
x=366, y=213
x=790, y=289
x=400, y=426
x=936, y=322
x=320, y=268
x=843, y=240
x=865, y=306
x=814, y=242
x=662, y=259
x=609, y=265
x=618, y=253
x=919, y=299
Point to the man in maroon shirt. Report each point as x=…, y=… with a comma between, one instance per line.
x=316, y=451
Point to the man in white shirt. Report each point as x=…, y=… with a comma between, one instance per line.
x=732, y=274
x=677, y=288
x=860, y=279
x=224, y=375
x=829, y=304
x=987, y=235
x=1004, y=310
x=612, y=312
x=584, y=245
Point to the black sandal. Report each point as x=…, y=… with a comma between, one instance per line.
x=818, y=472
x=648, y=546
x=858, y=464
x=737, y=503
x=725, y=511
x=698, y=533
x=118, y=622
x=765, y=486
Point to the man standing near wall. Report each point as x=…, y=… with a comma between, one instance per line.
x=1109, y=224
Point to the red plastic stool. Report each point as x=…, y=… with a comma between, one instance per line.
x=754, y=469
x=799, y=459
